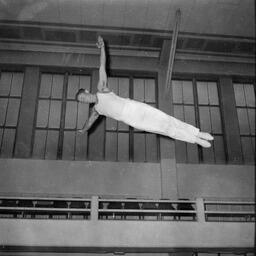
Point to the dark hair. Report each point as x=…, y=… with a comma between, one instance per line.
x=79, y=92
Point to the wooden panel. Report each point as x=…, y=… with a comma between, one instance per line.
x=111, y=146
x=57, y=86
x=150, y=90
x=68, y=151
x=151, y=148
x=213, y=93
x=123, y=147
x=52, y=145
x=239, y=94
x=55, y=111
x=3, y=110
x=177, y=94
x=17, y=82
x=39, y=144
x=243, y=121
x=45, y=86
x=249, y=95
x=71, y=115
x=247, y=148
x=43, y=113
x=8, y=142
x=188, y=96
x=202, y=92
x=138, y=89
x=139, y=147
x=12, y=112
x=5, y=83
x=180, y=151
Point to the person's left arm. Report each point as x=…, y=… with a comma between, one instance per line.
x=93, y=117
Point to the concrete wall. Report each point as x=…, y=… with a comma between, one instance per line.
x=142, y=180
x=215, y=181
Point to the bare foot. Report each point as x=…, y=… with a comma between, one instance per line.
x=203, y=143
x=100, y=42
x=205, y=136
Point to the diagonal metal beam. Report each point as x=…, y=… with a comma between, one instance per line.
x=173, y=49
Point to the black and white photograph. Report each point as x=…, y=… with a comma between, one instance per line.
x=127, y=127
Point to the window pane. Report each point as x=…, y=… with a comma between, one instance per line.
x=150, y=90
x=123, y=87
x=138, y=89
x=219, y=150
x=52, y=144
x=213, y=93
x=71, y=115
x=122, y=126
x=83, y=113
x=208, y=155
x=111, y=146
x=151, y=147
x=180, y=151
x=3, y=108
x=68, y=145
x=111, y=124
x=189, y=112
x=12, y=112
x=113, y=84
x=249, y=95
x=243, y=121
x=17, y=82
x=1, y=137
x=251, y=114
x=247, y=148
x=5, y=83
x=239, y=94
x=39, y=144
x=81, y=146
x=205, y=121
x=123, y=147
x=73, y=86
x=43, y=113
x=85, y=82
x=139, y=147
x=192, y=152
x=46, y=86
x=8, y=142
x=177, y=91
x=188, y=96
x=55, y=111
x=178, y=112
x=202, y=92
x=57, y=86
x=216, y=121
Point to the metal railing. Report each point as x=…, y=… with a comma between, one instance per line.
x=96, y=208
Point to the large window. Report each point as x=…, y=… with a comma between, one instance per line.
x=245, y=105
x=59, y=116
x=197, y=102
x=124, y=143
x=11, y=84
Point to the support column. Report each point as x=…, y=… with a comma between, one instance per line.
x=200, y=210
x=230, y=121
x=94, y=208
x=167, y=145
x=27, y=113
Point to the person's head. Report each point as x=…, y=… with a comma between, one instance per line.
x=84, y=96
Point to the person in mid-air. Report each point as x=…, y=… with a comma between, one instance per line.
x=136, y=114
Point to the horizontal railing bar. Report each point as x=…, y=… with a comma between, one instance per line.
x=229, y=212
x=146, y=201
x=44, y=198
x=48, y=209
x=144, y=211
x=227, y=202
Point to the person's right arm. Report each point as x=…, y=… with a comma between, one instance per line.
x=87, y=125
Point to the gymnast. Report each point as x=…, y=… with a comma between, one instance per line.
x=136, y=114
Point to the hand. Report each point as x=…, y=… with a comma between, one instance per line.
x=100, y=42
x=82, y=131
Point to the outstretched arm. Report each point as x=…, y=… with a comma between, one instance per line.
x=87, y=125
x=102, y=84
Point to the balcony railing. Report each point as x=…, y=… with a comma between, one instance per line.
x=96, y=208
